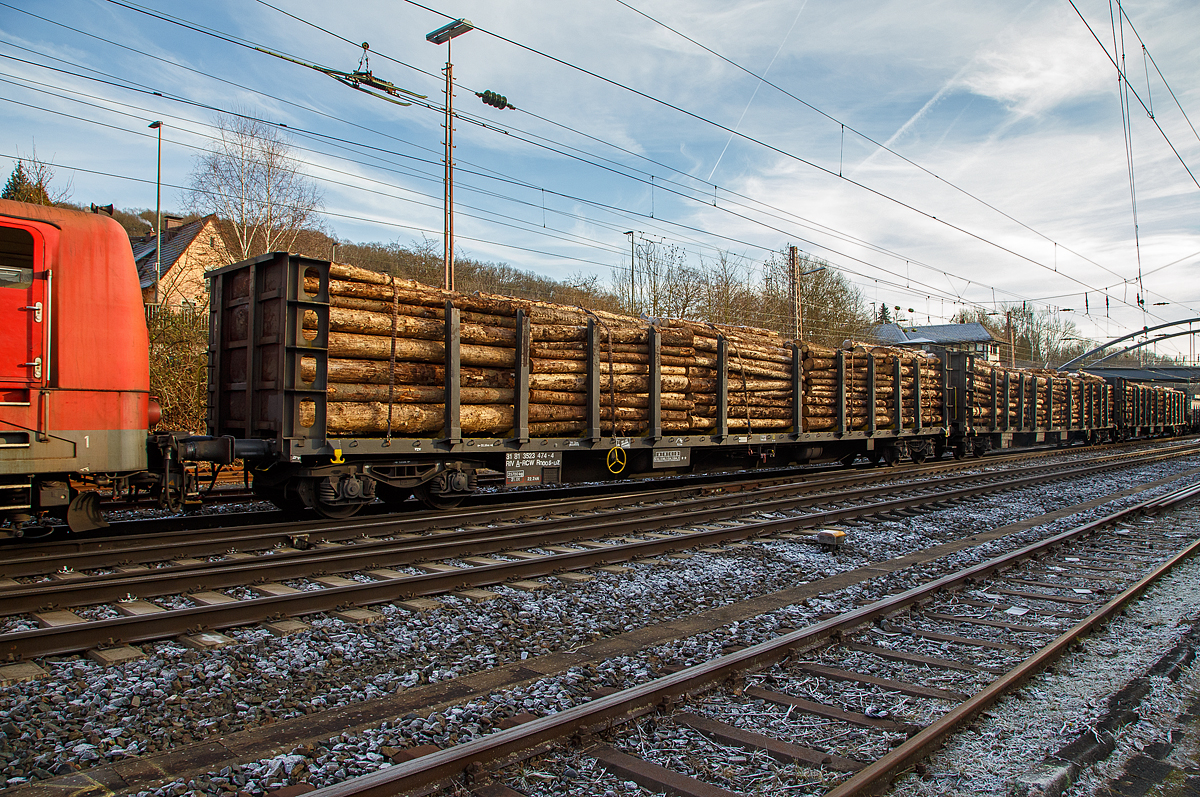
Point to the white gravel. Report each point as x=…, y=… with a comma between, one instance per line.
x=1052, y=708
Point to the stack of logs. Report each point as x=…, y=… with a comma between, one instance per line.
x=370, y=310
x=821, y=387
x=759, y=369
x=1146, y=404
x=375, y=320
x=1040, y=386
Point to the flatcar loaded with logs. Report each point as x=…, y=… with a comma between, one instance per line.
x=359, y=385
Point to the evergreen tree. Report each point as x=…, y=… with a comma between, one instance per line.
x=885, y=315
x=20, y=188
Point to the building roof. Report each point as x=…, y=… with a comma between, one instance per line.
x=175, y=243
x=938, y=334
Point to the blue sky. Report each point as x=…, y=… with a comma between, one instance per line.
x=1010, y=112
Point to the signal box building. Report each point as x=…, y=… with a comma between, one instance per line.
x=973, y=338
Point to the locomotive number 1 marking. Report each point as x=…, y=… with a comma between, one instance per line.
x=87, y=441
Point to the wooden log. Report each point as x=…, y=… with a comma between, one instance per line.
x=735, y=385
x=746, y=350
x=376, y=372
x=565, y=412
x=755, y=368
x=543, y=366
x=623, y=428
x=373, y=347
x=370, y=418
x=361, y=322
x=419, y=311
x=708, y=411
x=670, y=401
x=351, y=281
x=817, y=350
x=774, y=398
x=635, y=348
x=622, y=383
x=739, y=424
x=417, y=394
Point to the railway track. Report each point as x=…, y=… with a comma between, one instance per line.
x=531, y=499
x=241, y=588
x=267, y=530
x=695, y=635
x=995, y=623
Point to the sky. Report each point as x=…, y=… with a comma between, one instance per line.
x=942, y=155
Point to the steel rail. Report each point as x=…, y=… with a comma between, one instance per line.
x=491, y=751
x=77, y=637
x=876, y=777
x=128, y=535
x=533, y=531
x=155, y=551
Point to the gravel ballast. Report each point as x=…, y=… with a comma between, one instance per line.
x=83, y=715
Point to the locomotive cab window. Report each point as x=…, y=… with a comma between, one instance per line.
x=16, y=258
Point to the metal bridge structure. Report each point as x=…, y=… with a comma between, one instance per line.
x=1152, y=373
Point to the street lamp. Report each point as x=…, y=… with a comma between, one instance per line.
x=443, y=35
x=632, y=279
x=158, y=125
x=797, y=310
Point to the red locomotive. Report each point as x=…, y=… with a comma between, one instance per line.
x=74, y=368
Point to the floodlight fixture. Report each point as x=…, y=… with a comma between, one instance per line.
x=448, y=31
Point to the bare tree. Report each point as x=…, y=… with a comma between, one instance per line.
x=30, y=182
x=730, y=296
x=251, y=181
x=833, y=309
x=1041, y=336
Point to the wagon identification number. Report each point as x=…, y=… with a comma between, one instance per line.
x=672, y=457
x=525, y=467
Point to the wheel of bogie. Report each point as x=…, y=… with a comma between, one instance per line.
x=337, y=511
x=874, y=456
x=426, y=496
x=919, y=455
x=891, y=456
x=959, y=451
x=307, y=489
x=287, y=503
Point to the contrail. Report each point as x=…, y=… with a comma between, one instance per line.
x=756, y=88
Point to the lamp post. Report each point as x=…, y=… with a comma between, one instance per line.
x=443, y=35
x=797, y=310
x=158, y=125
x=632, y=277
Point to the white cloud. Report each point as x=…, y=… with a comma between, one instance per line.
x=1032, y=69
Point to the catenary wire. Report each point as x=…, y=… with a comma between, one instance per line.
x=959, y=298
x=245, y=43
